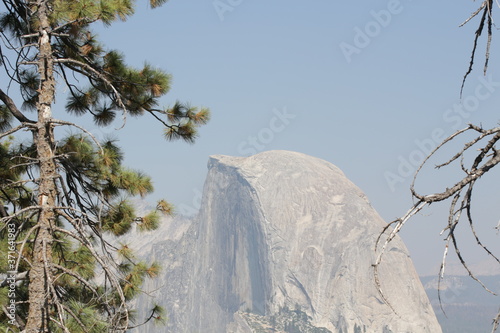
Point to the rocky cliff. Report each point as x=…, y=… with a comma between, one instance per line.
x=283, y=242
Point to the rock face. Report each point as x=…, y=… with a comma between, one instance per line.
x=283, y=242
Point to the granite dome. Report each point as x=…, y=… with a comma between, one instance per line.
x=281, y=239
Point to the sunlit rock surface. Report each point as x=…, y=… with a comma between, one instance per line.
x=283, y=242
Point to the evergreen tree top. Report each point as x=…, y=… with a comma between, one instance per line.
x=99, y=81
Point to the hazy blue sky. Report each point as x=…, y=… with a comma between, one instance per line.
x=366, y=85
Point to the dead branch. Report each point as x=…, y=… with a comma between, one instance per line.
x=486, y=7
x=13, y=215
x=15, y=129
x=486, y=157
x=67, y=123
x=13, y=108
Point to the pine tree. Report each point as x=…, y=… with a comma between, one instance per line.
x=63, y=197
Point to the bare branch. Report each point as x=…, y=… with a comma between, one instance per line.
x=485, y=159
x=62, y=122
x=11, y=216
x=82, y=325
x=103, y=262
x=475, y=173
x=15, y=129
x=399, y=224
x=471, y=225
x=473, y=14
x=496, y=321
x=13, y=108
x=486, y=8
x=76, y=276
x=19, y=277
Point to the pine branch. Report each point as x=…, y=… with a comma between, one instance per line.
x=109, y=275
x=13, y=108
x=99, y=76
x=76, y=276
x=72, y=314
x=67, y=123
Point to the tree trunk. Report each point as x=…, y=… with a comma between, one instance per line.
x=40, y=274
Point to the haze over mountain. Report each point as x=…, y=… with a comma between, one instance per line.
x=487, y=267
x=468, y=308
x=283, y=242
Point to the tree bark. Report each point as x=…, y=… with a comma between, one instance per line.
x=40, y=277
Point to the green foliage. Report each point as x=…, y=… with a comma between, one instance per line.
x=118, y=219
x=5, y=118
x=149, y=222
x=159, y=315
x=80, y=261
x=136, y=274
x=187, y=129
x=91, y=10
x=165, y=207
x=85, y=318
x=89, y=279
x=286, y=320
